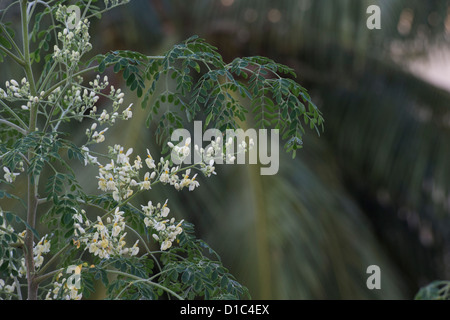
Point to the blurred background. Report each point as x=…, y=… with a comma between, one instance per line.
x=372, y=190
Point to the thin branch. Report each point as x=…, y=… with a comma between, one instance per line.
x=11, y=40
x=147, y=281
x=145, y=245
x=19, y=292
x=9, y=231
x=60, y=83
x=24, y=126
x=14, y=126
x=47, y=275
x=47, y=77
x=53, y=258
x=13, y=56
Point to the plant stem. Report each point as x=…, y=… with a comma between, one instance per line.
x=64, y=81
x=49, y=262
x=14, y=126
x=46, y=276
x=19, y=292
x=12, y=55
x=13, y=43
x=32, y=187
x=47, y=77
x=146, y=280
x=24, y=126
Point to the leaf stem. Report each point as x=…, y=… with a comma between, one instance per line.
x=24, y=126
x=53, y=258
x=14, y=126
x=146, y=280
x=11, y=40
x=44, y=277
x=12, y=56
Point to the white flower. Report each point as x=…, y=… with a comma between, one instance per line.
x=127, y=113
x=166, y=245
x=148, y=209
x=145, y=185
x=231, y=158
x=93, y=248
x=102, y=183
x=42, y=247
x=160, y=226
x=111, y=185
x=116, y=196
x=134, y=250
x=99, y=136
x=164, y=178
x=38, y=260
x=165, y=210
x=9, y=176
x=10, y=288
x=149, y=161
x=138, y=163
x=74, y=269
x=193, y=183
x=116, y=230
x=104, y=116
x=124, y=157
x=88, y=159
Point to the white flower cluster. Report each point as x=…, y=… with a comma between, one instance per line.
x=117, y=96
x=19, y=92
x=166, y=229
x=7, y=229
x=75, y=42
x=213, y=154
x=105, y=117
x=43, y=246
x=65, y=288
x=119, y=176
x=39, y=249
x=170, y=176
x=104, y=240
x=78, y=100
x=216, y=153
x=123, y=179
x=7, y=288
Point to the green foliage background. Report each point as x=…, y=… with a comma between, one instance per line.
x=374, y=189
